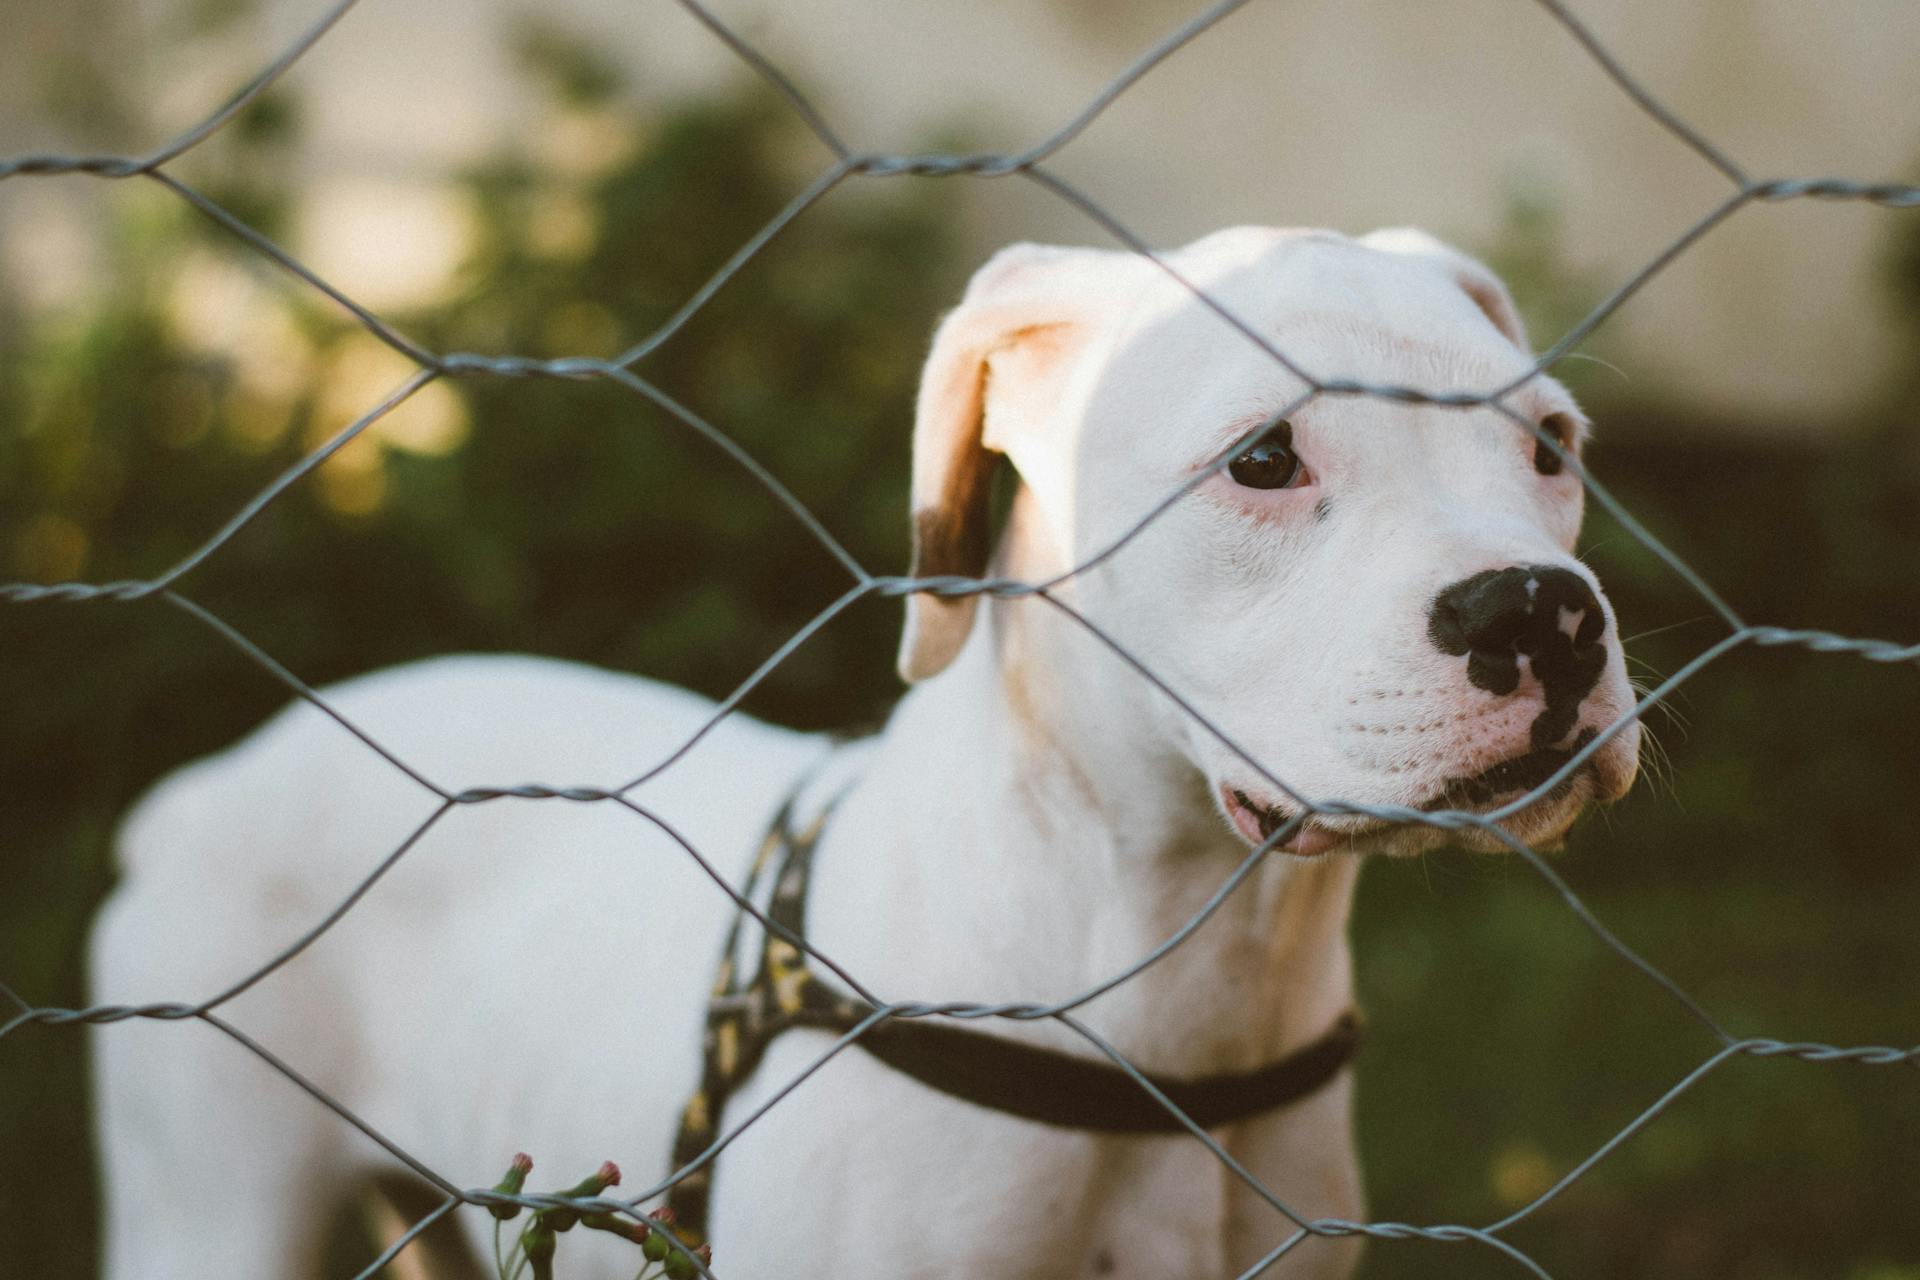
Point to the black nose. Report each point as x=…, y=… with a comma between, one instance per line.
x=1498, y=615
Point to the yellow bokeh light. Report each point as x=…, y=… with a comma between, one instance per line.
x=352, y=488
x=562, y=226
x=360, y=371
x=586, y=143
x=387, y=244
x=218, y=309
x=1520, y=1174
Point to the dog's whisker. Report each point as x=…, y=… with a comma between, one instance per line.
x=1669, y=708
x=1590, y=358
x=1662, y=630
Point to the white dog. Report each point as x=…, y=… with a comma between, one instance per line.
x=1377, y=602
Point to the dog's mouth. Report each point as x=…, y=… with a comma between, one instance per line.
x=1258, y=820
x=1500, y=783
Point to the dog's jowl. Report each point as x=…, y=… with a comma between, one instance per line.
x=1369, y=601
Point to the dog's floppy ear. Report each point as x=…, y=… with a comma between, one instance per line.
x=1470, y=274
x=996, y=365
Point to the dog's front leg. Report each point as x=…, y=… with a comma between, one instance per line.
x=1305, y=1156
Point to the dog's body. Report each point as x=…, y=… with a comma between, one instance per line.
x=532, y=974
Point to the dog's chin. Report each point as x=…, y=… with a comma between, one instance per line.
x=1542, y=824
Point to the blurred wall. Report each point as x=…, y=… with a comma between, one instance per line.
x=1351, y=115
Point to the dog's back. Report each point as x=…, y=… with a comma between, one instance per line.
x=510, y=931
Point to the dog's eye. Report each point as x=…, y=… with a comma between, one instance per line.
x=1545, y=460
x=1270, y=464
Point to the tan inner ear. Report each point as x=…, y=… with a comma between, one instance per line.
x=1025, y=373
x=1016, y=382
x=1474, y=278
x=987, y=394
x=1494, y=302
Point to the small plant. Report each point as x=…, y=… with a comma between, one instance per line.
x=539, y=1240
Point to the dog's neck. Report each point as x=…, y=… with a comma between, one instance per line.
x=1055, y=837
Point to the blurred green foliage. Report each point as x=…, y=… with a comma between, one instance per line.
x=1768, y=864
x=1528, y=252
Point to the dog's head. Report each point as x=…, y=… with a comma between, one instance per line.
x=1378, y=601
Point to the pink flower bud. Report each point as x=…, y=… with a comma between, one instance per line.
x=607, y=1175
x=510, y=1186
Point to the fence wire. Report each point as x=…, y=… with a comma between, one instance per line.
x=848, y=163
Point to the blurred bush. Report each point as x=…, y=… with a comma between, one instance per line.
x=1768, y=865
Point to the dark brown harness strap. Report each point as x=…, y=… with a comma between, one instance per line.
x=1046, y=1086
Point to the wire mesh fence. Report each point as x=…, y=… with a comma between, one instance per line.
x=1033, y=166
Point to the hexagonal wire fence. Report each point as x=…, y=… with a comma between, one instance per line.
x=1031, y=165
